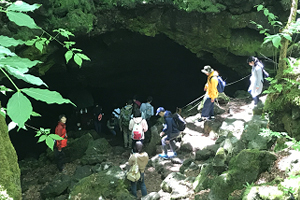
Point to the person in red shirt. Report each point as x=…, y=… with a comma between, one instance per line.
x=60, y=144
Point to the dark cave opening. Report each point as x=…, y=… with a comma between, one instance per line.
x=122, y=64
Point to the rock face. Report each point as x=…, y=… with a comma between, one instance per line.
x=213, y=30
x=9, y=168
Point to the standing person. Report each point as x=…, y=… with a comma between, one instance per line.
x=147, y=109
x=125, y=117
x=256, y=78
x=136, y=103
x=98, y=114
x=61, y=131
x=113, y=124
x=142, y=161
x=211, y=93
x=169, y=133
x=138, y=126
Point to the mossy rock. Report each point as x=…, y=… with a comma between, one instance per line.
x=9, y=168
x=108, y=184
x=243, y=168
x=205, y=179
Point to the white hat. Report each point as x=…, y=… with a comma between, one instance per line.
x=207, y=69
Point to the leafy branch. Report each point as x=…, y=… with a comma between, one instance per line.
x=19, y=107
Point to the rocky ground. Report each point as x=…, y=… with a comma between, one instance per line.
x=197, y=133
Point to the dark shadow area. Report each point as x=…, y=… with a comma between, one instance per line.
x=122, y=64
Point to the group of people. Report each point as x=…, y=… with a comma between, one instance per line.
x=132, y=120
x=255, y=88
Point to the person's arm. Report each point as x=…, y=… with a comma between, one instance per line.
x=58, y=131
x=145, y=125
x=213, y=91
x=131, y=160
x=131, y=124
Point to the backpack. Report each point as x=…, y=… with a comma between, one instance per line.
x=265, y=74
x=125, y=116
x=179, y=121
x=137, y=131
x=221, y=84
x=134, y=172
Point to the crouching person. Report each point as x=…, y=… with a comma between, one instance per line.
x=169, y=133
x=142, y=161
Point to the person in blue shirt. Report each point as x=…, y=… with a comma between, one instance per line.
x=168, y=134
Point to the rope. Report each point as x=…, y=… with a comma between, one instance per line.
x=237, y=80
x=204, y=94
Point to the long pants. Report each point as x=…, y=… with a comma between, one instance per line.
x=97, y=126
x=208, y=108
x=127, y=137
x=256, y=100
x=141, y=181
x=171, y=142
x=60, y=159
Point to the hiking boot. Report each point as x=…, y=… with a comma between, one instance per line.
x=212, y=118
x=165, y=156
x=202, y=119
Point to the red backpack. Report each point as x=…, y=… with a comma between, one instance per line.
x=137, y=131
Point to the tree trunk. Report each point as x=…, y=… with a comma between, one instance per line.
x=284, y=42
x=9, y=167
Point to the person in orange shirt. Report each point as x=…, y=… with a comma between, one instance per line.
x=211, y=93
x=60, y=144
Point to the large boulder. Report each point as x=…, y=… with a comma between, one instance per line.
x=9, y=168
x=96, y=151
x=251, y=134
x=205, y=178
x=107, y=184
x=56, y=187
x=243, y=168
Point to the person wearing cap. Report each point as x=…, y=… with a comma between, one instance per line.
x=169, y=133
x=211, y=93
x=256, y=78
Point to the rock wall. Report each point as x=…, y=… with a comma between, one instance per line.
x=9, y=168
x=212, y=29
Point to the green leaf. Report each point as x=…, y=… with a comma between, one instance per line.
x=276, y=41
x=78, y=60
x=42, y=138
x=31, y=42
x=38, y=133
x=35, y=114
x=47, y=131
x=64, y=32
x=8, y=42
x=18, y=62
x=19, y=108
x=25, y=77
x=39, y=45
x=45, y=95
x=55, y=137
x=22, y=19
x=6, y=51
x=84, y=57
x=69, y=44
x=68, y=55
x=272, y=16
x=74, y=49
x=260, y=7
x=22, y=6
x=287, y=36
x=50, y=142
x=266, y=12
x=4, y=89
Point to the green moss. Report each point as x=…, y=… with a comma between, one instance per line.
x=107, y=184
x=203, y=6
x=9, y=168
